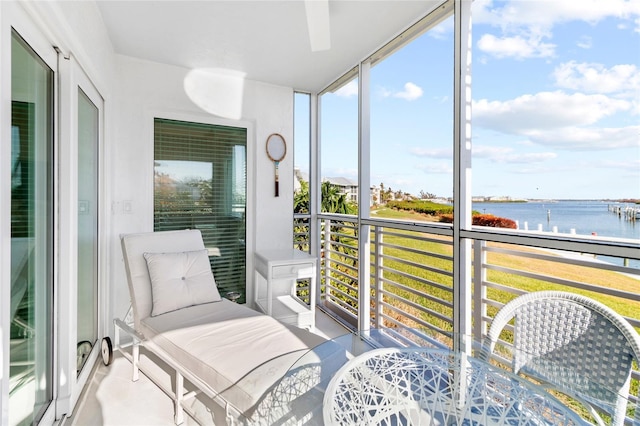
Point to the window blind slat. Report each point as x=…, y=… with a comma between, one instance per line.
x=200, y=183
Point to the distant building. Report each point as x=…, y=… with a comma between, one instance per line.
x=374, y=196
x=299, y=177
x=345, y=185
x=499, y=198
x=495, y=199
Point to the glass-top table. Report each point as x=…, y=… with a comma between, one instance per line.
x=406, y=377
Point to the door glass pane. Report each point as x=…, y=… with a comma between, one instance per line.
x=200, y=182
x=87, y=227
x=411, y=132
x=339, y=153
x=30, y=381
x=556, y=146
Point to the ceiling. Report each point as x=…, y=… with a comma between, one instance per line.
x=266, y=40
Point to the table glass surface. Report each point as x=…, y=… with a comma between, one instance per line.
x=449, y=372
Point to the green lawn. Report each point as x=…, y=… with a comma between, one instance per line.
x=593, y=276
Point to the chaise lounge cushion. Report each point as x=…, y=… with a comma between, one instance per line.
x=133, y=248
x=237, y=351
x=180, y=280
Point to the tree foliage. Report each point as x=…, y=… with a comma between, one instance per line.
x=343, y=238
x=332, y=201
x=421, y=206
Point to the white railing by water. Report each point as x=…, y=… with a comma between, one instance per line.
x=411, y=272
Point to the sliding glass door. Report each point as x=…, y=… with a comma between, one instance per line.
x=87, y=236
x=31, y=313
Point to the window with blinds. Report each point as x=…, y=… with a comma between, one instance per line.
x=200, y=182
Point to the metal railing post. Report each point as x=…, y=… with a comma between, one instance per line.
x=378, y=276
x=327, y=259
x=479, y=289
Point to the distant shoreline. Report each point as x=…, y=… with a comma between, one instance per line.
x=534, y=200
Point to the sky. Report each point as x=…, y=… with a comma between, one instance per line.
x=555, y=105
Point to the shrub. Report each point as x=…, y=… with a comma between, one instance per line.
x=484, y=220
x=494, y=221
x=446, y=218
x=424, y=207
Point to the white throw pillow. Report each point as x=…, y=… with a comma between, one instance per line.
x=180, y=279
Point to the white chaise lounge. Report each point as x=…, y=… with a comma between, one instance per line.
x=237, y=357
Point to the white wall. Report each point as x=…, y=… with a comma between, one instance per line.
x=144, y=90
x=134, y=92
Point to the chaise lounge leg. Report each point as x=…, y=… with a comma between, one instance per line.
x=135, y=351
x=229, y=418
x=179, y=393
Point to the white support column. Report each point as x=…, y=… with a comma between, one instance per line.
x=462, y=168
x=315, y=237
x=364, y=177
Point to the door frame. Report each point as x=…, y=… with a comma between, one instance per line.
x=14, y=17
x=72, y=77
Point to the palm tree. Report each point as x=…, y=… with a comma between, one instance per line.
x=333, y=201
x=301, y=198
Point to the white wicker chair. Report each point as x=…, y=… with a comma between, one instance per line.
x=563, y=338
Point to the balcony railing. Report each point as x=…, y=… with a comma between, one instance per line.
x=411, y=274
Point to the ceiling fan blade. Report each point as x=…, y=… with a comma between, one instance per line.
x=318, y=24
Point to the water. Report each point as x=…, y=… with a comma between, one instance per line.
x=585, y=217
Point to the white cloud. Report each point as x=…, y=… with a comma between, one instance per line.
x=527, y=158
x=443, y=30
x=630, y=165
x=585, y=42
x=539, y=170
x=546, y=13
x=341, y=172
x=348, y=90
x=629, y=169
x=525, y=24
x=436, y=167
x=486, y=151
x=559, y=120
x=577, y=138
x=596, y=78
x=432, y=153
x=518, y=46
x=545, y=111
x=506, y=155
x=411, y=92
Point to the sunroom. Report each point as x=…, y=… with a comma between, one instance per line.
x=139, y=116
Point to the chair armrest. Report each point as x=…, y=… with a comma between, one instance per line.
x=128, y=329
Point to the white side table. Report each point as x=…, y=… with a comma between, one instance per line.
x=277, y=297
